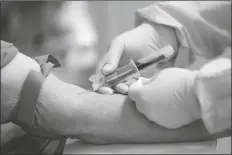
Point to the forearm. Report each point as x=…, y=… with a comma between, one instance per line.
x=59, y=109
x=111, y=118
x=63, y=111
x=135, y=128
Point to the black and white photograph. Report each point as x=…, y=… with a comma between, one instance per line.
x=115, y=77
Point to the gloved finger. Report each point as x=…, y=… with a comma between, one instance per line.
x=113, y=57
x=122, y=88
x=105, y=90
x=136, y=88
x=128, y=83
x=101, y=63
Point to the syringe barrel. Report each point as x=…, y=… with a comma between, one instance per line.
x=120, y=74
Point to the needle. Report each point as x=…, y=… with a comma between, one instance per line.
x=90, y=89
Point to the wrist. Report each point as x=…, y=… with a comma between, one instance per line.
x=165, y=34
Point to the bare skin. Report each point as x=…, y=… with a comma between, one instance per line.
x=103, y=119
x=90, y=116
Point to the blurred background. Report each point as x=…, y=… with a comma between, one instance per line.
x=83, y=28
x=76, y=33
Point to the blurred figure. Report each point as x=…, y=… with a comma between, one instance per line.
x=76, y=39
x=72, y=40
x=61, y=29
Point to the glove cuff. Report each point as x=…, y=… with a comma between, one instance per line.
x=213, y=88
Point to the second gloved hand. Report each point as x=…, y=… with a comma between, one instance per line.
x=168, y=99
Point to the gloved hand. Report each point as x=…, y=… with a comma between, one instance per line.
x=168, y=99
x=135, y=44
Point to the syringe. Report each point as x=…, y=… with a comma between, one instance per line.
x=133, y=67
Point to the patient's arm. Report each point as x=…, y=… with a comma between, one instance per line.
x=111, y=118
x=91, y=116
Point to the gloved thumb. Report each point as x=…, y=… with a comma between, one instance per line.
x=113, y=57
x=136, y=89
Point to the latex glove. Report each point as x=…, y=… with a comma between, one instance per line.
x=135, y=44
x=213, y=87
x=168, y=99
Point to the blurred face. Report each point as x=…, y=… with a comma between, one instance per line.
x=70, y=35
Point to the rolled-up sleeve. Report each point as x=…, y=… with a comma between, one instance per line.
x=8, y=52
x=202, y=28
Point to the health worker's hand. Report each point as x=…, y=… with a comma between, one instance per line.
x=168, y=99
x=135, y=44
